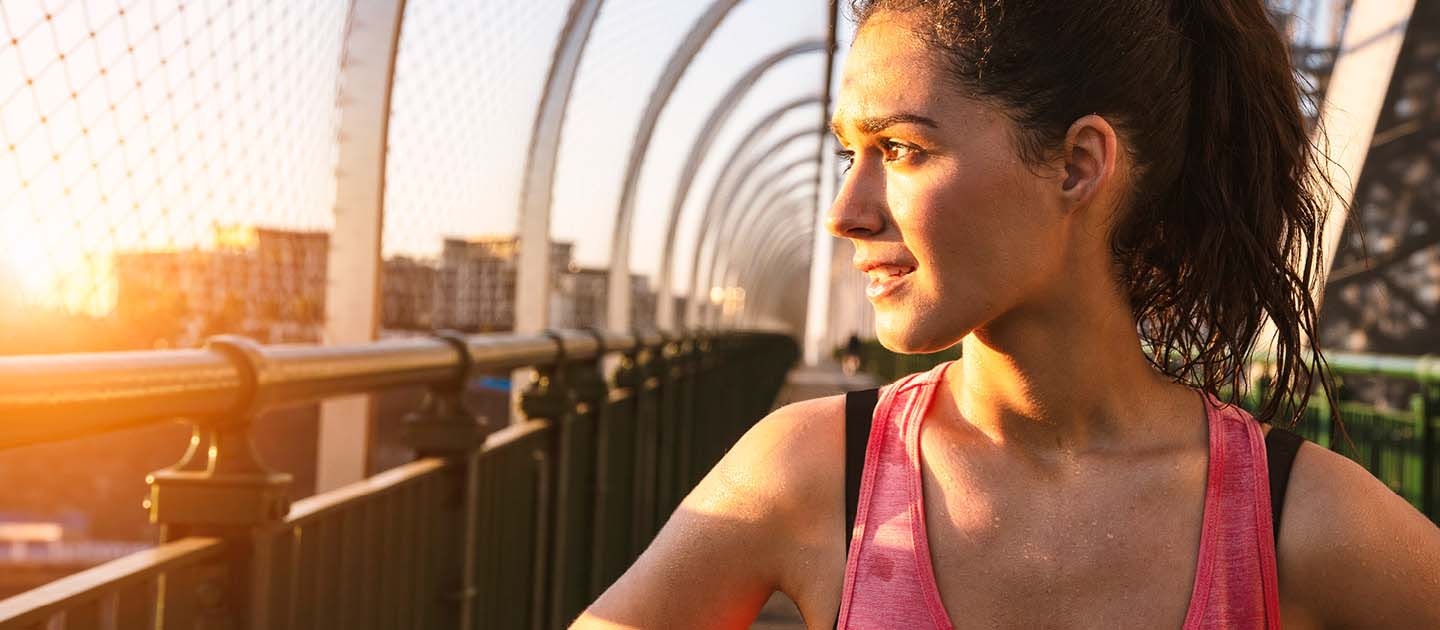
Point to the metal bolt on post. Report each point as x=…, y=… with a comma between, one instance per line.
x=221, y=489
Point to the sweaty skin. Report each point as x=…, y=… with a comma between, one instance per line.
x=1064, y=477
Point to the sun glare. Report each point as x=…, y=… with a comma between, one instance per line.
x=30, y=266
x=45, y=274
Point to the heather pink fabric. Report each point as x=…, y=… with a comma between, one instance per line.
x=889, y=580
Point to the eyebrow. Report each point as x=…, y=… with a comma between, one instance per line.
x=881, y=123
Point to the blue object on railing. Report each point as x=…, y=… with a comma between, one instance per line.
x=496, y=384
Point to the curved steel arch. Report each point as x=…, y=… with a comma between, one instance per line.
x=727, y=222
x=785, y=228
x=768, y=219
x=767, y=224
x=352, y=300
x=747, y=211
x=719, y=115
x=617, y=299
x=774, y=249
x=715, y=278
x=687, y=180
x=771, y=289
x=760, y=244
x=766, y=261
x=703, y=242
x=532, y=285
x=758, y=129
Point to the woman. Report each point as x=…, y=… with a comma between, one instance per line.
x=1048, y=183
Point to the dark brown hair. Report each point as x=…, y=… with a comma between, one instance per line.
x=1226, y=207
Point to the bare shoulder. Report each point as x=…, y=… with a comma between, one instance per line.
x=1352, y=553
x=786, y=466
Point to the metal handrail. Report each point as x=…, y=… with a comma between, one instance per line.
x=1422, y=369
x=37, y=606
x=56, y=397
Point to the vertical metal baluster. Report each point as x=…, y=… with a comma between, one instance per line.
x=543, y=461
x=405, y=568
x=369, y=551
x=392, y=549
x=1429, y=467
x=109, y=611
x=306, y=602
x=327, y=540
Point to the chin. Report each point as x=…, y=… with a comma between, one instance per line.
x=903, y=333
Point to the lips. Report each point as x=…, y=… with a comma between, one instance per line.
x=885, y=278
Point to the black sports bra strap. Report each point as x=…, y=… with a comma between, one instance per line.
x=1280, y=449
x=859, y=413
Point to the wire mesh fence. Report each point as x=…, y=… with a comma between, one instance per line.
x=162, y=165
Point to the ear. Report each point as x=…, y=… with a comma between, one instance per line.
x=1090, y=154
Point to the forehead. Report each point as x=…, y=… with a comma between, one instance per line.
x=890, y=69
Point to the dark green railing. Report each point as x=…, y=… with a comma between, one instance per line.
x=513, y=528
x=1395, y=442
x=1398, y=444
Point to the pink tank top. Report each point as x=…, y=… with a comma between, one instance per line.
x=889, y=580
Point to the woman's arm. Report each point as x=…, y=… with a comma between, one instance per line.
x=739, y=533
x=1352, y=553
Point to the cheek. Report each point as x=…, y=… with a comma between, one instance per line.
x=985, y=231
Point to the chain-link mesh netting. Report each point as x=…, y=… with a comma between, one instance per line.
x=468, y=80
x=140, y=144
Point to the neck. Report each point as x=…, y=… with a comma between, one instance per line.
x=1064, y=380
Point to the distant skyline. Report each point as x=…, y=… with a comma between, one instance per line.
x=147, y=129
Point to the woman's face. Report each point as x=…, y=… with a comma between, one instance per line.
x=953, y=229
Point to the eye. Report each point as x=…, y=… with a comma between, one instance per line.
x=896, y=151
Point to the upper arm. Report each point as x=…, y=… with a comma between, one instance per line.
x=1352, y=553
x=730, y=543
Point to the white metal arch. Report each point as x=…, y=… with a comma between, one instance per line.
x=617, y=301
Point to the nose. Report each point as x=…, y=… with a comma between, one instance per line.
x=859, y=209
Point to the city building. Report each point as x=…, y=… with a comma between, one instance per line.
x=584, y=290
x=408, y=294
x=262, y=282
x=477, y=279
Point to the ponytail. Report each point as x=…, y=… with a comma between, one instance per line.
x=1241, y=223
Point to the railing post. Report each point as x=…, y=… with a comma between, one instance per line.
x=686, y=371
x=221, y=489
x=443, y=427
x=630, y=376
x=545, y=398
x=572, y=396
x=1429, y=401
x=667, y=428
x=575, y=533
x=647, y=426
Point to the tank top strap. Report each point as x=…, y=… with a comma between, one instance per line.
x=889, y=582
x=1236, y=583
